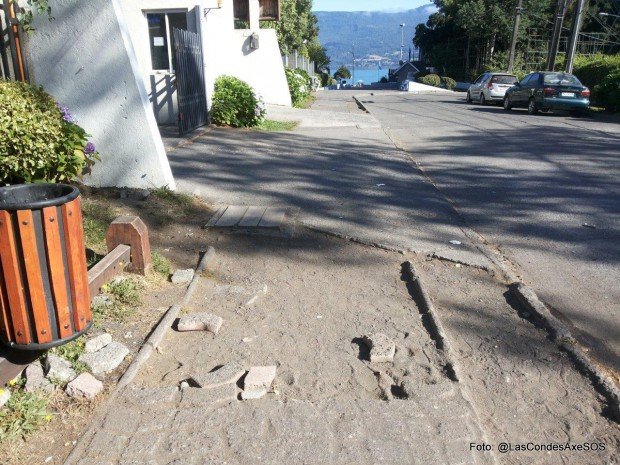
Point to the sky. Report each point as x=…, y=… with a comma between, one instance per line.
x=366, y=5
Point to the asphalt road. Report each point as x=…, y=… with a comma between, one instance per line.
x=531, y=185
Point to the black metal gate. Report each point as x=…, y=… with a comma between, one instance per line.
x=190, y=80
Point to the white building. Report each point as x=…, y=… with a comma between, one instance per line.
x=112, y=63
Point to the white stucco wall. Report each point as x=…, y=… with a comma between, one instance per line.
x=85, y=59
x=225, y=51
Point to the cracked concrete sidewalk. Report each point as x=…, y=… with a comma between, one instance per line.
x=303, y=304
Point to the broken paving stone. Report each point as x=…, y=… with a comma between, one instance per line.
x=204, y=397
x=5, y=395
x=182, y=276
x=106, y=359
x=229, y=373
x=200, y=322
x=97, y=343
x=259, y=378
x=252, y=394
x=84, y=386
x=59, y=369
x=36, y=380
x=382, y=348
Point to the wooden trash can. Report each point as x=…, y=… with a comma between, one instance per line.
x=44, y=297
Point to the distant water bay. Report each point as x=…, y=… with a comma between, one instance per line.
x=369, y=75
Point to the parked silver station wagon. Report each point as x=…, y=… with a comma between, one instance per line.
x=490, y=87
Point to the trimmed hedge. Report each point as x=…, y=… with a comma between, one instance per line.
x=39, y=139
x=601, y=73
x=236, y=104
x=430, y=80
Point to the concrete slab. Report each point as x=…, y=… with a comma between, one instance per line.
x=252, y=217
x=273, y=218
x=231, y=216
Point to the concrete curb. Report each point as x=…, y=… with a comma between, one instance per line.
x=353, y=239
x=427, y=306
x=151, y=343
x=361, y=105
x=564, y=338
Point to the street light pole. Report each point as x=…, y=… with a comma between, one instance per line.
x=353, y=52
x=515, y=33
x=609, y=14
x=402, y=40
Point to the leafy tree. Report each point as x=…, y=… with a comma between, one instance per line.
x=342, y=73
x=318, y=54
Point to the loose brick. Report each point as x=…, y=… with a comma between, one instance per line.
x=200, y=322
x=382, y=348
x=85, y=386
x=259, y=378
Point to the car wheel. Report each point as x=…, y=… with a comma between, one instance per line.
x=468, y=99
x=507, y=104
x=482, y=100
x=532, y=108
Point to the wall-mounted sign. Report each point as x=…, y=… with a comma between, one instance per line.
x=158, y=41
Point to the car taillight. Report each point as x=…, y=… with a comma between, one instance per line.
x=490, y=85
x=585, y=93
x=550, y=91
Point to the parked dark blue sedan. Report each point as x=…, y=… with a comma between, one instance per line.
x=548, y=91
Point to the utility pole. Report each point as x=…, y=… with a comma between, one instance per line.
x=402, y=40
x=574, y=37
x=557, y=32
x=515, y=33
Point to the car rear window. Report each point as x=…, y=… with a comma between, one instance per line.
x=504, y=79
x=561, y=79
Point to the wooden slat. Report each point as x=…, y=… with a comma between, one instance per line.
x=272, y=218
x=252, y=217
x=4, y=308
x=231, y=216
x=32, y=263
x=111, y=265
x=53, y=249
x=76, y=258
x=13, y=280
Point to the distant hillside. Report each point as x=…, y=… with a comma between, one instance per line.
x=376, y=35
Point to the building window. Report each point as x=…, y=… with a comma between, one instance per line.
x=161, y=39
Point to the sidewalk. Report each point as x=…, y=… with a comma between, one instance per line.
x=326, y=405
x=339, y=168
x=303, y=304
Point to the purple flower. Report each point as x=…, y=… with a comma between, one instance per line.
x=66, y=114
x=89, y=148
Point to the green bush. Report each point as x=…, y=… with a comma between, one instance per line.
x=607, y=93
x=600, y=73
x=39, y=139
x=430, y=80
x=298, y=85
x=384, y=80
x=448, y=82
x=236, y=104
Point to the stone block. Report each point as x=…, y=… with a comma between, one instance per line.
x=59, y=369
x=229, y=373
x=200, y=322
x=97, y=343
x=36, y=380
x=106, y=359
x=382, y=348
x=182, y=276
x=84, y=386
x=259, y=378
x=253, y=393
